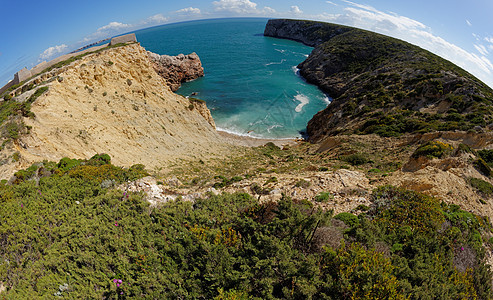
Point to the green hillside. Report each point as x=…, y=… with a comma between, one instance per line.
x=384, y=85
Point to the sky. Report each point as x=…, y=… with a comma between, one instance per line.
x=33, y=31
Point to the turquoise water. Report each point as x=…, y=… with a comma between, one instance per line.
x=251, y=84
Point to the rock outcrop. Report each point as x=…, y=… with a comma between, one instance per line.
x=177, y=69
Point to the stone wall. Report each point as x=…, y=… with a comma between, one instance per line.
x=19, y=77
x=123, y=39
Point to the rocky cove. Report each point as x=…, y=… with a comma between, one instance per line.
x=396, y=171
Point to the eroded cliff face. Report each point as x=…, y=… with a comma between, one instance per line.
x=177, y=69
x=114, y=102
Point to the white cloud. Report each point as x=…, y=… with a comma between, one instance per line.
x=50, y=52
x=156, y=19
x=269, y=10
x=189, y=10
x=373, y=19
x=330, y=2
x=415, y=32
x=481, y=49
x=242, y=7
x=296, y=10
x=489, y=39
x=468, y=23
x=235, y=6
x=113, y=26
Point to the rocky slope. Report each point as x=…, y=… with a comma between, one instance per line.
x=177, y=69
x=108, y=102
x=398, y=98
x=383, y=85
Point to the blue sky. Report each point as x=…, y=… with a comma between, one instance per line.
x=458, y=30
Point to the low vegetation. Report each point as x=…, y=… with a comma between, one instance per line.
x=67, y=232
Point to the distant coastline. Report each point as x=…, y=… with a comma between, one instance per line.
x=90, y=45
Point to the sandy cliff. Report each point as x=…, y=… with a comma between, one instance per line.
x=114, y=102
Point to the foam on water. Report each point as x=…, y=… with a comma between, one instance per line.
x=275, y=63
x=303, y=101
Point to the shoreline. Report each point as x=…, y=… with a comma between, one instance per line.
x=241, y=140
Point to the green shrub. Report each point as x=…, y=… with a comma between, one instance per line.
x=355, y=159
x=302, y=183
x=397, y=207
x=257, y=189
x=22, y=175
x=16, y=156
x=99, y=160
x=482, y=167
x=486, y=155
x=84, y=238
x=225, y=182
x=324, y=197
x=348, y=218
x=481, y=186
x=433, y=149
x=66, y=164
x=36, y=94
x=463, y=148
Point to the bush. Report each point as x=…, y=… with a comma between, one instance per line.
x=13, y=130
x=88, y=240
x=481, y=186
x=99, y=160
x=355, y=159
x=302, y=183
x=324, y=197
x=348, y=219
x=225, y=182
x=482, y=167
x=486, y=155
x=433, y=149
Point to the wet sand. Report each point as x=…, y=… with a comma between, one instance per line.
x=254, y=142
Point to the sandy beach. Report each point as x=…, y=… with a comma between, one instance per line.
x=254, y=142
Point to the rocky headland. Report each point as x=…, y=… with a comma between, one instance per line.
x=384, y=85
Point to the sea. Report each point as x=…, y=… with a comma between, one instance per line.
x=251, y=84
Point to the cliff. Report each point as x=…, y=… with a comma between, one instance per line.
x=177, y=69
x=399, y=108
x=383, y=85
x=113, y=102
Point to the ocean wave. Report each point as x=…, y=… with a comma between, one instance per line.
x=275, y=63
x=304, y=100
x=280, y=50
x=326, y=99
x=296, y=70
x=273, y=126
